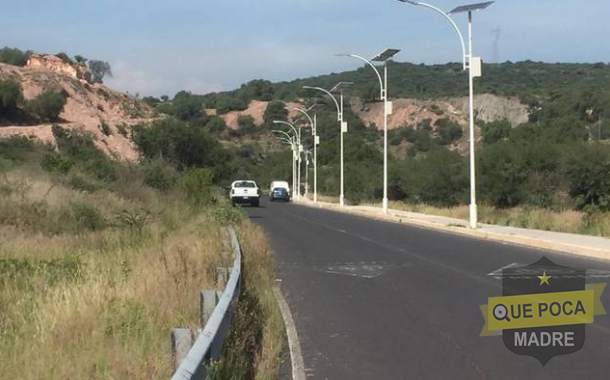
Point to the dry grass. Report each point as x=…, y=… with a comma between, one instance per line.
x=96, y=303
x=254, y=346
x=570, y=221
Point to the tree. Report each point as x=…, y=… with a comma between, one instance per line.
x=246, y=125
x=64, y=57
x=99, y=69
x=10, y=96
x=186, y=106
x=216, y=124
x=80, y=59
x=495, y=131
x=276, y=110
x=151, y=100
x=47, y=106
x=184, y=145
x=448, y=131
x=14, y=56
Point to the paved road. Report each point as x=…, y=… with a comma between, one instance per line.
x=377, y=300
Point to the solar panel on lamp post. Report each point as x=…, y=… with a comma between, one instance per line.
x=384, y=56
x=473, y=64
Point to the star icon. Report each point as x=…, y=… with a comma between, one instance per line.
x=544, y=279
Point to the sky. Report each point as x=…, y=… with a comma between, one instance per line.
x=159, y=47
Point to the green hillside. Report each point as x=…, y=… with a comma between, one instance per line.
x=531, y=81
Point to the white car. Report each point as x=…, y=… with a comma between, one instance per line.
x=245, y=191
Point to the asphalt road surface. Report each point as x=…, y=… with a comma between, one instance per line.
x=378, y=300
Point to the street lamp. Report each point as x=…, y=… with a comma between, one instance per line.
x=338, y=87
x=299, y=149
x=290, y=140
x=383, y=84
x=473, y=64
x=308, y=154
x=315, y=144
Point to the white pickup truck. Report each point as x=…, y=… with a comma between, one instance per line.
x=245, y=191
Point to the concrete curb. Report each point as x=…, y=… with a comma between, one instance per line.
x=560, y=247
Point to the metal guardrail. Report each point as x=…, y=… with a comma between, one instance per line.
x=208, y=344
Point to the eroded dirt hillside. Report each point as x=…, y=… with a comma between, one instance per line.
x=106, y=114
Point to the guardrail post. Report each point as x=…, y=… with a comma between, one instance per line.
x=182, y=341
x=222, y=276
x=216, y=308
x=208, y=299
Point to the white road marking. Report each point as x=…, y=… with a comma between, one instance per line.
x=298, y=366
x=498, y=272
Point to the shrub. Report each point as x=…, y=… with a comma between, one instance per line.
x=226, y=214
x=55, y=162
x=159, y=174
x=87, y=217
x=16, y=148
x=78, y=182
x=196, y=185
x=122, y=130
x=105, y=128
x=47, y=106
x=134, y=220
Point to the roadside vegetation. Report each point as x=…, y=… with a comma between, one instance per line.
x=99, y=260
x=551, y=172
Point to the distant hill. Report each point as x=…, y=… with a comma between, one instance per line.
x=530, y=81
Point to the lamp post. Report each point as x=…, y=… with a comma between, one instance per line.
x=338, y=87
x=299, y=149
x=290, y=141
x=383, y=84
x=316, y=141
x=473, y=64
x=307, y=155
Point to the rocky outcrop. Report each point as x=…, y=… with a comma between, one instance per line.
x=53, y=63
x=95, y=109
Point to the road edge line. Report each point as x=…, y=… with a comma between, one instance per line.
x=296, y=357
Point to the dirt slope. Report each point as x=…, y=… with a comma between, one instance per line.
x=256, y=109
x=88, y=107
x=413, y=111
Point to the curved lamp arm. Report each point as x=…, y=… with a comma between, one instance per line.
x=438, y=10
x=339, y=114
x=308, y=117
x=291, y=126
x=372, y=66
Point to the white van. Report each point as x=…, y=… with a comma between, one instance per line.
x=278, y=184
